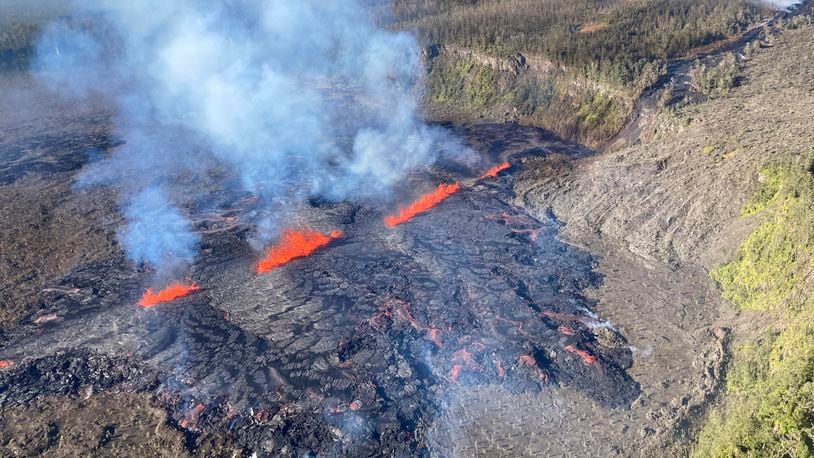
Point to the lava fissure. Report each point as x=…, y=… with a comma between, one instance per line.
x=492, y=172
x=294, y=244
x=424, y=203
x=170, y=293
x=586, y=357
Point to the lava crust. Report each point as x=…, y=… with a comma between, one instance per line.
x=348, y=351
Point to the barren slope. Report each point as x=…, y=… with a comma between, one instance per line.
x=671, y=205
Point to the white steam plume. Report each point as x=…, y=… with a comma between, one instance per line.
x=250, y=85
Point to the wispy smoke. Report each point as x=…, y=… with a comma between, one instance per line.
x=780, y=5
x=156, y=232
x=294, y=97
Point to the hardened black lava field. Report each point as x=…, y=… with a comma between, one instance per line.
x=350, y=351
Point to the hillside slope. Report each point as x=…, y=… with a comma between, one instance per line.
x=677, y=197
x=574, y=68
x=724, y=186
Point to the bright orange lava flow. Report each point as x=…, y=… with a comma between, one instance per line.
x=294, y=244
x=170, y=293
x=424, y=203
x=495, y=170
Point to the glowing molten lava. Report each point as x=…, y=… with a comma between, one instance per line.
x=292, y=245
x=495, y=170
x=170, y=293
x=586, y=357
x=424, y=203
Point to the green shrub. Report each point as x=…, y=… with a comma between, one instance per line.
x=575, y=111
x=772, y=260
x=481, y=89
x=600, y=113
x=717, y=80
x=461, y=81
x=769, y=402
x=445, y=82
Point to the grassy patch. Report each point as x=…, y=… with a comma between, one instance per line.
x=552, y=100
x=772, y=260
x=461, y=81
x=769, y=403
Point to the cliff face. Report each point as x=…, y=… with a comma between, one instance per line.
x=467, y=86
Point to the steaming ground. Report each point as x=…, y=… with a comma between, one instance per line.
x=247, y=91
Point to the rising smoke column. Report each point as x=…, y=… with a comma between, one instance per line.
x=294, y=97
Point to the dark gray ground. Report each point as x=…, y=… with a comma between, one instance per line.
x=357, y=349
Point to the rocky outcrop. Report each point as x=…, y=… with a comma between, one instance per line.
x=513, y=63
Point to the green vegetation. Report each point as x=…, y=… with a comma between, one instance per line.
x=463, y=80
x=612, y=41
x=769, y=408
x=584, y=112
x=771, y=260
x=591, y=58
x=717, y=80
x=599, y=114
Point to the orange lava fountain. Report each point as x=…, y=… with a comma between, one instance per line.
x=495, y=170
x=424, y=203
x=170, y=293
x=294, y=244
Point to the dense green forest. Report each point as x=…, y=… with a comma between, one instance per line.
x=611, y=40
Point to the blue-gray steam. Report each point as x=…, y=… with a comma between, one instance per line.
x=156, y=232
x=295, y=97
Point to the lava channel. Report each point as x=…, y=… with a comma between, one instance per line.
x=294, y=244
x=424, y=203
x=495, y=170
x=170, y=293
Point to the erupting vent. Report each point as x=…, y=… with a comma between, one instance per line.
x=495, y=170
x=424, y=203
x=170, y=293
x=292, y=245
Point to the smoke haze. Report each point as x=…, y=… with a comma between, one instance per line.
x=295, y=98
